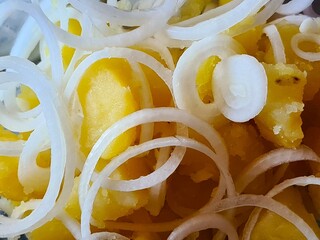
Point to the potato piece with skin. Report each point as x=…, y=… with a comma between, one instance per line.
x=271, y=226
x=287, y=31
x=280, y=119
x=106, y=97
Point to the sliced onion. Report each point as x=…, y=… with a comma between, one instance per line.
x=112, y=14
x=20, y=210
x=158, y=46
x=293, y=19
x=146, y=116
x=157, y=193
x=306, y=37
x=59, y=132
x=260, y=17
x=12, y=149
x=309, y=25
x=174, y=162
x=299, y=181
x=218, y=24
x=163, y=172
x=123, y=39
x=183, y=80
x=240, y=87
x=145, y=99
x=143, y=182
x=272, y=159
x=30, y=175
x=294, y=7
x=276, y=43
x=266, y=203
x=202, y=222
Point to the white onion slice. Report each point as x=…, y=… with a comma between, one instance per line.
x=164, y=171
x=12, y=149
x=293, y=19
x=310, y=25
x=240, y=87
x=266, y=203
x=30, y=175
x=158, y=46
x=272, y=159
x=112, y=14
x=183, y=80
x=261, y=17
x=19, y=211
x=202, y=222
x=152, y=179
x=157, y=193
x=299, y=181
x=87, y=206
x=218, y=24
x=141, y=117
x=123, y=39
x=294, y=7
x=58, y=129
x=276, y=43
x=145, y=99
x=306, y=37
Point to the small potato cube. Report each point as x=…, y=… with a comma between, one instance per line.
x=280, y=121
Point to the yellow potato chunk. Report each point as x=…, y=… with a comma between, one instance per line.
x=280, y=121
x=27, y=99
x=161, y=95
x=52, y=230
x=110, y=205
x=271, y=226
x=244, y=144
x=287, y=31
x=249, y=40
x=106, y=97
x=74, y=27
x=204, y=79
x=10, y=186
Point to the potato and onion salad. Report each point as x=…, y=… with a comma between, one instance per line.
x=160, y=119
